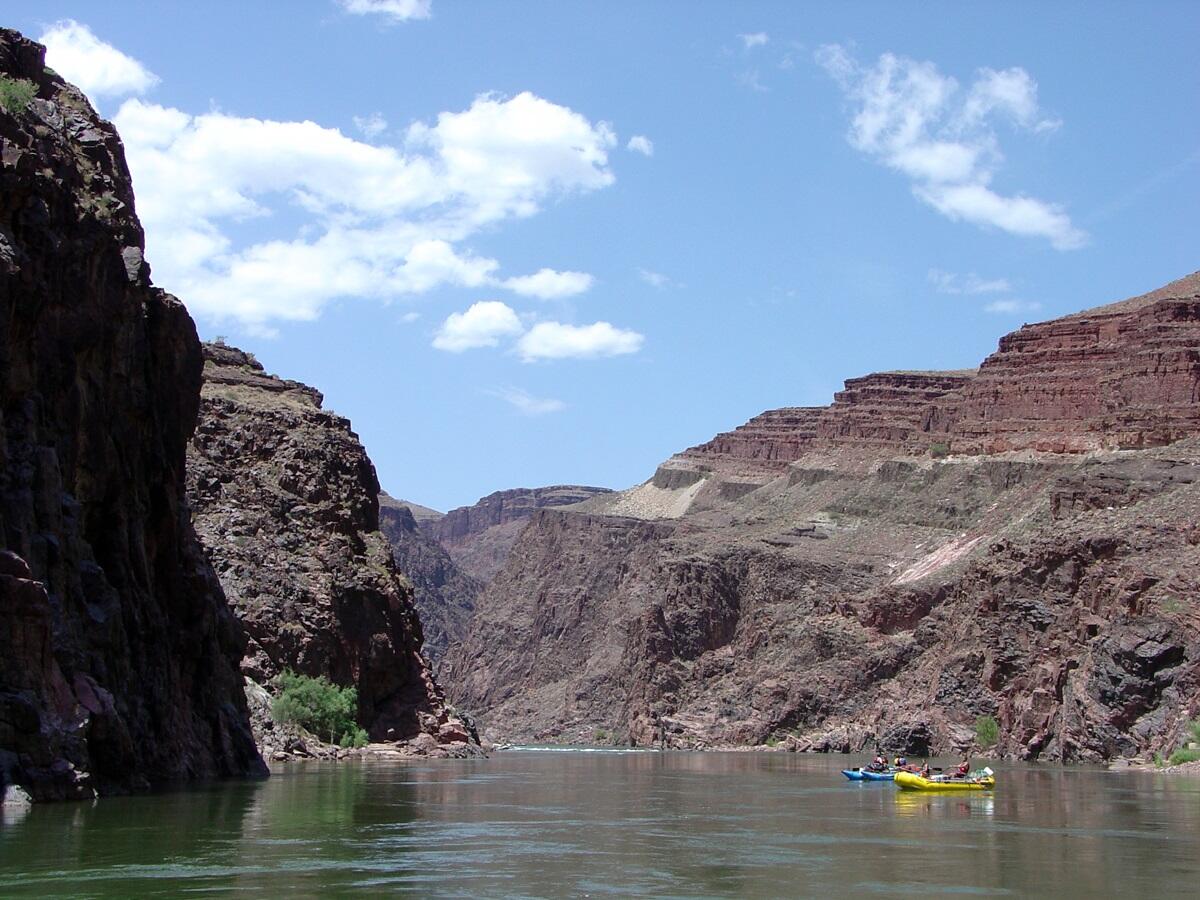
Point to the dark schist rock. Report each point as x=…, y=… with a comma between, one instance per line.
x=1019, y=542
x=479, y=537
x=285, y=502
x=444, y=594
x=118, y=653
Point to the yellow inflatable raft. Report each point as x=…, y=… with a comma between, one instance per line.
x=909, y=781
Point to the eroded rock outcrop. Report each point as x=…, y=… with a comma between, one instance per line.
x=285, y=503
x=118, y=654
x=882, y=586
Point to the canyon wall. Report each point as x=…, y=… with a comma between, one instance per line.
x=932, y=547
x=443, y=593
x=118, y=653
x=479, y=537
x=286, y=505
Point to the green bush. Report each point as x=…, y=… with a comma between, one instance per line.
x=1194, y=731
x=16, y=93
x=320, y=706
x=1184, y=756
x=987, y=731
x=1159, y=761
x=939, y=451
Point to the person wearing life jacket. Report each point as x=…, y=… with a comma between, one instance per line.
x=964, y=768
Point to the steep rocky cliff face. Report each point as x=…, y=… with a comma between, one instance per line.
x=285, y=504
x=444, y=594
x=479, y=537
x=919, y=560
x=118, y=654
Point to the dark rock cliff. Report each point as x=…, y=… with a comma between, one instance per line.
x=480, y=536
x=118, y=654
x=286, y=505
x=444, y=594
x=834, y=577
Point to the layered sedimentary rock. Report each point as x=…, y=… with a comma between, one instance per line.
x=118, y=654
x=444, y=594
x=768, y=442
x=286, y=505
x=480, y=536
x=1125, y=375
x=891, y=410
x=883, y=586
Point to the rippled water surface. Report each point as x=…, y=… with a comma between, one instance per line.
x=618, y=824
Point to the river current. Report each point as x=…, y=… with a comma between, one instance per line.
x=546, y=824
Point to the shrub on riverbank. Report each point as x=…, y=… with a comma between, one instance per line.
x=328, y=711
x=987, y=731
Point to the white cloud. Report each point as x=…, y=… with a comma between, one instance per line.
x=395, y=10
x=952, y=283
x=409, y=317
x=480, y=326
x=547, y=284
x=526, y=403
x=371, y=126
x=751, y=79
x=654, y=279
x=757, y=39
x=334, y=217
x=639, y=143
x=917, y=121
x=1012, y=306
x=96, y=68
x=554, y=340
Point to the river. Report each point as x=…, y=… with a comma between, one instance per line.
x=533, y=824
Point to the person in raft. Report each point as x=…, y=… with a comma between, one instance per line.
x=925, y=770
x=963, y=769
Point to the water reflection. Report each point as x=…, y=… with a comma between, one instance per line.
x=914, y=803
x=542, y=824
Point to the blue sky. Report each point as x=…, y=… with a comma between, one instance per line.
x=523, y=243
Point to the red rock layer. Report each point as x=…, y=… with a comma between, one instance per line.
x=891, y=410
x=771, y=439
x=1120, y=376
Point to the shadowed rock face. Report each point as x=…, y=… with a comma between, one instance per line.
x=874, y=588
x=479, y=537
x=444, y=594
x=285, y=504
x=118, y=654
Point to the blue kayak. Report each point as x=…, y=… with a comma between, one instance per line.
x=868, y=775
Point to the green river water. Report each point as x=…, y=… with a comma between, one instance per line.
x=542, y=824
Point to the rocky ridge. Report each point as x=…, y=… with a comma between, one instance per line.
x=479, y=537
x=285, y=502
x=887, y=568
x=118, y=653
